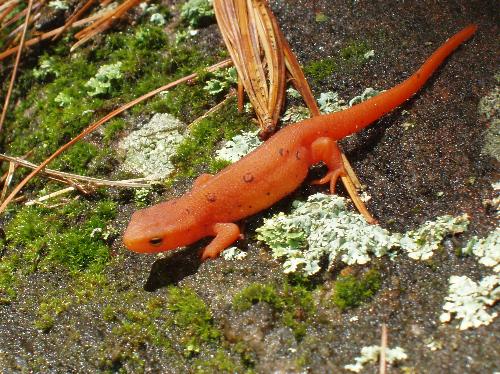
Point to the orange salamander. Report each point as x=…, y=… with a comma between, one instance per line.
x=264, y=176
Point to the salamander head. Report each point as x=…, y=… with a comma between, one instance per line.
x=160, y=228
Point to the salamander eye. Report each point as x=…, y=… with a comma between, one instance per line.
x=155, y=241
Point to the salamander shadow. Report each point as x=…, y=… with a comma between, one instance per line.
x=173, y=268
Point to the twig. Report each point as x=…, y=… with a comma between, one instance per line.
x=49, y=196
x=65, y=177
x=383, y=348
x=96, y=125
x=14, y=70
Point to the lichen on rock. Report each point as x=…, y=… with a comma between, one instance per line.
x=148, y=149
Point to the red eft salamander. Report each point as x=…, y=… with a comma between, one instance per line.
x=267, y=174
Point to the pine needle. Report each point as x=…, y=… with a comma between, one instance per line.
x=16, y=65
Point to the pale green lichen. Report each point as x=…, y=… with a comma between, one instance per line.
x=330, y=102
x=196, y=12
x=368, y=93
x=322, y=228
x=157, y=19
x=101, y=82
x=468, y=301
x=63, y=99
x=148, y=149
x=489, y=108
x=371, y=354
x=239, y=146
x=292, y=92
x=295, y=113
x=233, y=253
x=486, y=249
x=421, y=243
x=223, y=79
x=58, y=5
x=45, y=68
x=369, y=54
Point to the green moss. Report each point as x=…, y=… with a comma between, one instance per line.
x=354, y=52
x=192, y=316
x=71, y=236
x=76, y=159
x=197, y=149
x=293, y=302
x=8, y=268
x=221, y=362
x=350, y=291
x=197, y=13
x=48, y=312
x=112, y=129
x=319, y=70
x=256, y=293
x=136, y=326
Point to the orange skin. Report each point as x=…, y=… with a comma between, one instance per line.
x=267, y=174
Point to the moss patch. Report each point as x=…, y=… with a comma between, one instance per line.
x=192, y=316
x=72, y=236
x=352, y=55
x=293, y=302
x=350, y=291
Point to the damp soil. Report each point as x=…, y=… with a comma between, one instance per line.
x=413, y=174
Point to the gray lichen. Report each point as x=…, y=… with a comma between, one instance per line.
x=148, y=149
x=468, y=301
x=489, y=108
x=322, y=227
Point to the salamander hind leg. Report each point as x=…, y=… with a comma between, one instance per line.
x=326, y=150
x=225, y=235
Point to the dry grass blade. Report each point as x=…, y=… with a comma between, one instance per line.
x=16, y=65
x=103, y=23
x=36, y=6
x=41, y=199
x=7, y=11
x=74, y=17
x=246, y=35
x=7, y=180
x=96, y=125
x=272, y=45
x=65, y=177
x=45, y=36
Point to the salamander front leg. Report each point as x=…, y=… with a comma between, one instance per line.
x=225, y=235
x=326, y=150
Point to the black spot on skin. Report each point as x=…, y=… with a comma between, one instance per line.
x=248, y=177
x=249, y=207
x=239, y=206
x=211, y=197
x=155, y=241
x=188, y=211
x=268, y=193
x=297, y=155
